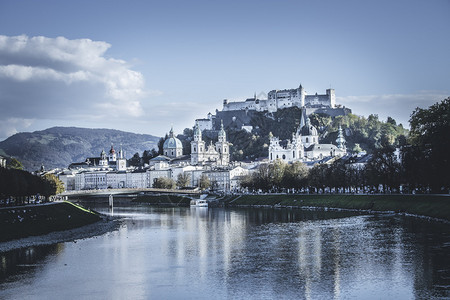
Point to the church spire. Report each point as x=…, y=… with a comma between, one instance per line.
x=340, y=139
x=197, y=132
x=222, y=134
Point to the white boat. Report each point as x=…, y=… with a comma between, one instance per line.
x=199, y=203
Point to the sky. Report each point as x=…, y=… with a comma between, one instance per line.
x=144, y=66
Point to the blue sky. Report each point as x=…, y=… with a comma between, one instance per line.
x=142, y=66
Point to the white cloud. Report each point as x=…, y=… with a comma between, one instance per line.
x=42, y=78
x=12, y=126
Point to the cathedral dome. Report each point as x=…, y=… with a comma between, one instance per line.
x=172, y=142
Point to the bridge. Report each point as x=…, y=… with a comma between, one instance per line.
x=130, y=191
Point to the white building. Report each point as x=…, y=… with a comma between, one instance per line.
x=279, y=99
x=2, y=162
x=293, y=151
x=218, y=154
x=172, y=146
x=305, y=146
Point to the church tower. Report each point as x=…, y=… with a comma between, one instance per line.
x=197, y=146
x=103, y=162
x=112, y=155
x=302, y=93
x=341, y=140
x=223, y=147
x=121, y=162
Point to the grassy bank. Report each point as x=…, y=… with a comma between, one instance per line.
x=435, y=206
x=19, y=222
x=168, y=199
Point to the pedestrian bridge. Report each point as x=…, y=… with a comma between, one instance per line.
x=129, y=191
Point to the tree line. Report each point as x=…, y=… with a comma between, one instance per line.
x=421, y=164
x=20, y=184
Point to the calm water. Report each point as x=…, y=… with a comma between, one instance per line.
x=198, y=253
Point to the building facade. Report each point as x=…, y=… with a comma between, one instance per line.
x=305, y=145
x=218, y=154
x=279, y=99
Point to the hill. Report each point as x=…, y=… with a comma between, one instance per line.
x=361, y=133
x=57, y=147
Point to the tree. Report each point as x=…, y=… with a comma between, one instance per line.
x=295, y=175
x=430, y=140
x=204, y=182
x=53, y=185
x=183, y=180
x=161, y=144
x=276, y=173
x=357, y=148
x=15, y=164
x=318, y=176
x=149, y=154
x=135, y=161
x=384, y=168
x=164, y=183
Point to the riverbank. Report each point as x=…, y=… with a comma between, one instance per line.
x=433, y=206
x=33, y=220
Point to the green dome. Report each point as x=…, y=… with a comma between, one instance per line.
x=172, y=142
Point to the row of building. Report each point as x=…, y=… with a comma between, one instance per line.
x=109, y=170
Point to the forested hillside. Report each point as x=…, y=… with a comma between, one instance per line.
x=361, y=133
x=60, y=146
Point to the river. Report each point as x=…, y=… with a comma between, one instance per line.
x=216, y=253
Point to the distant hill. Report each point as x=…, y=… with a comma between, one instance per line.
x=57, y=147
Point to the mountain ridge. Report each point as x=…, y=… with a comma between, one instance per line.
x=57, y=147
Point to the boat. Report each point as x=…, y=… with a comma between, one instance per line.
x=199, y=203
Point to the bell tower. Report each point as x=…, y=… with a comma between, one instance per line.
x=197, y=146
x=223, y=147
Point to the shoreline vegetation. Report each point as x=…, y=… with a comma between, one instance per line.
x=37, y=220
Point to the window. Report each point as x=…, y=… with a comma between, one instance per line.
x=307, y=140
x=284, y=157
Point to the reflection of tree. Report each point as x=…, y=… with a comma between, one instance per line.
x=25, y=256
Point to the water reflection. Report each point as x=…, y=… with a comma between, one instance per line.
x=15, y=263
x=248, y=253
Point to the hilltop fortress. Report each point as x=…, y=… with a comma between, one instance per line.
x=277, y=99
x=238, y=114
